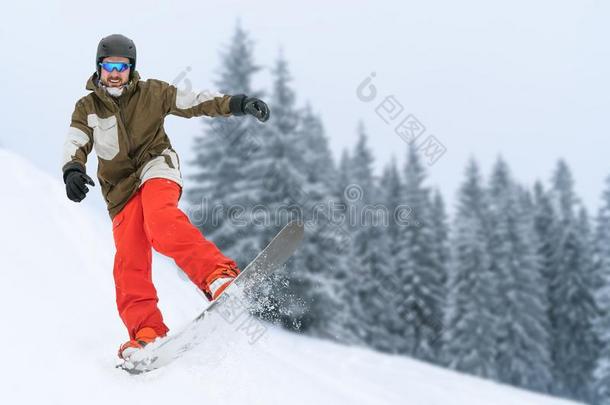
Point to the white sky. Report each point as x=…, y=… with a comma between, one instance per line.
x=525, y=79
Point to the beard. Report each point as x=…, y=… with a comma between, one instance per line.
x=113, y=91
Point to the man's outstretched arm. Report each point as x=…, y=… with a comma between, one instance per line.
x=189, y=104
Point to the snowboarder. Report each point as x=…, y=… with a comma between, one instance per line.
x=139, y=174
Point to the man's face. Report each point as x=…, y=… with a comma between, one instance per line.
x=115, y=78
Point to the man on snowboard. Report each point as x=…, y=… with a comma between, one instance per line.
x=139, y=173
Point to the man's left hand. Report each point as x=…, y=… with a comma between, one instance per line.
x=257, y=108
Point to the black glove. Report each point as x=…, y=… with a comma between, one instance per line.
x=256, y=107
x=241, y=104
x=76, y=184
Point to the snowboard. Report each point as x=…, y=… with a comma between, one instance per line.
x=165, y=350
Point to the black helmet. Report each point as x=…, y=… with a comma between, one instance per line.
x=116, y=45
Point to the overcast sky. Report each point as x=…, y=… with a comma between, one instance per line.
x=525, y=79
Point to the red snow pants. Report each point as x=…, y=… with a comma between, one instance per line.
x=152, y=218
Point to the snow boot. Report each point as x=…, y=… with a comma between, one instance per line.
x=143, y=337
x=219, y=280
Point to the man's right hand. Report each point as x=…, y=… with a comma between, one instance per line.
x=76, y=185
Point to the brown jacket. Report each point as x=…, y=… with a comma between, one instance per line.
x=128, y=136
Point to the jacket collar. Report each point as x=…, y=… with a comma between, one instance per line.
x=93, y=85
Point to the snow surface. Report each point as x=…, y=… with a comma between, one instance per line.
x=61, y=330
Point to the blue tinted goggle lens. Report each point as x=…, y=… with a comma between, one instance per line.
x=119, y=66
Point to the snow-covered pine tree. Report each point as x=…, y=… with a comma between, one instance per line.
x=344, y=175
x=320, y=167
x=441, y=255
x=367, y=281
x=391, y=188
x=422, y=283
x=392, y=326
x=281, y=161
x=571, y=300
x=340, y=231
x=471, y=325
x=546, y=225
x=223, y=154
x=317, y=278
x=602, y=296
x=592, y=348
x=523, y=356
x=279, y=185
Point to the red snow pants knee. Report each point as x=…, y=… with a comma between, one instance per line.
x=152, y=218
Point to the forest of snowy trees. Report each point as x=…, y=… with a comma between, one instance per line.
x=515, y=287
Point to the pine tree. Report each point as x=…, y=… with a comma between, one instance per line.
x=421, y=276
x=602, y=296
x=398, y=213
x=280, y=162
x=222, y=157
x=389, y=336
x=344, y=176
x=441, y=259
x=546, y=226
x=319, y=165
x=367, y=282
x=523, y=334
x=472, y=326
x=592, y=348
x=279, y=189
x=337, y=231
x=318, y=275
x=390, y=188
x=571, y=300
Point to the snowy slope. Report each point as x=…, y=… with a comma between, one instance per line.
x=61, y=331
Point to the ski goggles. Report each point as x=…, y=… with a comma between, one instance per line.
x=118, y=66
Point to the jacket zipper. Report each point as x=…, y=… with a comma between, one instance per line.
x=124, y=122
